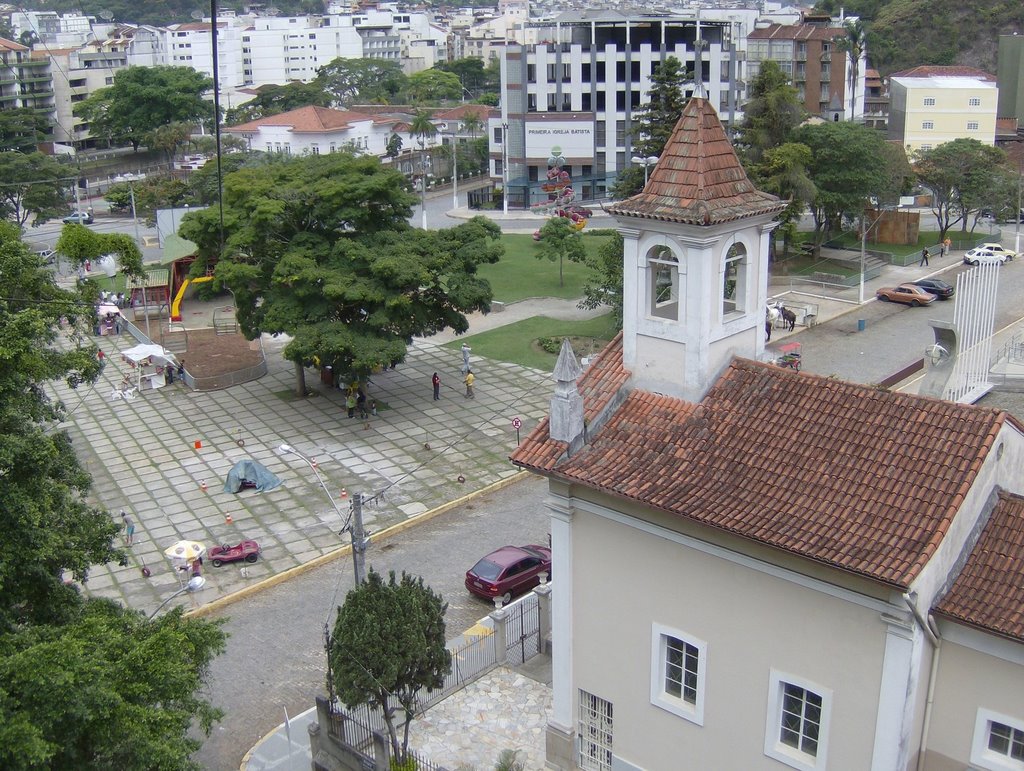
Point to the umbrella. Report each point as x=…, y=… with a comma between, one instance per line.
x=186, y=550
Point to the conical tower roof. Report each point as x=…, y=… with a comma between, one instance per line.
x=698, y=179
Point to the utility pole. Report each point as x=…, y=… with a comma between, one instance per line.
x=145, y=275
x=455, y=170
x=504, y=168
x=358, y=538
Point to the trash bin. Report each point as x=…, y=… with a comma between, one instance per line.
x=862, y=324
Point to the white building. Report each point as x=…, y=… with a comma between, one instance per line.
x=318, y=130
x=580, y=89
x=756, y=568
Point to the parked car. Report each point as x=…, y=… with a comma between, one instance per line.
x=1000, y=249
x=980, y=254
x=935, y=286
x=508, y=571
x=246, y=550
x=79, y=218
x=905, y=293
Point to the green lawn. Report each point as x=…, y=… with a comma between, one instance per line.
x=519, y=274
x=517, y=343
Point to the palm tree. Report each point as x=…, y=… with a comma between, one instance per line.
x=853, y=44
x=421, y=129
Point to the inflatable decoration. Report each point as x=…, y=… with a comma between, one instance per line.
x=560, y=195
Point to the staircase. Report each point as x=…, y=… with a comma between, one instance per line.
x=224, y=321
x=174, y=337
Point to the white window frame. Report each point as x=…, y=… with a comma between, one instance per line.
x=981, y=755
x=927, y=125
x=660, y=697
x=739, y=263
x=972, y=125
x=929, y=101
x=773, y=745
x=663, y=262
x=974, y=101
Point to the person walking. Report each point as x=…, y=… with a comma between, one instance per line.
x=436, y=381
x=129, y=528
x=469, y=380
x=947, y=245
x=350, y=404
x=465, y=358
x=361, y=403
x=924, y=258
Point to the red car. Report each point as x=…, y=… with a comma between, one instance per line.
x=246, y=550
x=508, y=571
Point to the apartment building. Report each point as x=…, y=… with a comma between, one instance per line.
x=579, y=89
x=25, y=79
x=930, y=105
x=818, y=68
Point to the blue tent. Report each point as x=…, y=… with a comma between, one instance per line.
x=256, y=474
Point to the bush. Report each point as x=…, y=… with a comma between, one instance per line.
x=550, y=344
x=410, y=764
x=507, y=761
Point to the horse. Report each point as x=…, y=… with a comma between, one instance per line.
x=788, y=318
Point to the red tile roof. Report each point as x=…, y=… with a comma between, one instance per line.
x=989, y=592
x=479, y=111
x=599, y=384
x=308, y=120
x=952, y=71
x=10, y=45
x=854, y=477
x=698, y=179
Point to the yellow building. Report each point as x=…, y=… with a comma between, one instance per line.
x=930, y=105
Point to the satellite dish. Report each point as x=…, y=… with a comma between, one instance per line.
x=197, y=15
x=272, y=11
x=105, y=13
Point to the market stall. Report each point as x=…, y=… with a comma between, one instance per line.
x=148, y=364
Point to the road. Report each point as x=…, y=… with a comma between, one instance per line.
x=275, y=657
x=895, y=335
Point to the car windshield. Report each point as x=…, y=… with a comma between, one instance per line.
x=534, y=552
x=486, y=570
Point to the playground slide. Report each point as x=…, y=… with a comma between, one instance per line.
x=176, y=305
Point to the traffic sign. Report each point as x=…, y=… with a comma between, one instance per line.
x=517, y=423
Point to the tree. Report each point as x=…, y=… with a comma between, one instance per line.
x=21, y=129
x=848, y=168
x=657, y=118
x=470, y=71
x=771, y=115
x=783, y=172
x=853, y=44
x=433, y=86
x=368, y=81
x=143, y=99
x=394, y=146
x=35, y=184
x=958, y=173
x=79, y=243
x=169, y=138
x=559, y=241
x=156, y=191
x=319, y=248
x=604, y=285
x=109, y=689
x=83, y=683
x=274, y=100
x=388, y=644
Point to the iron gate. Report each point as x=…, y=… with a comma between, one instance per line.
x=522, y=630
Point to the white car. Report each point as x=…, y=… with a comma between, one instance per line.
x=1000, y=249
x=980, y=254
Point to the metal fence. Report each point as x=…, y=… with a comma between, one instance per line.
x=469, y=662
x=522, y=630
x=228, y=379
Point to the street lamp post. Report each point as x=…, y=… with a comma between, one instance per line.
x=863, y=250
x=504, y=168
x=194, y=585
x=138, y=241
x=647, y=162
x=356, y=530
x=455, y=171
x=423, y=183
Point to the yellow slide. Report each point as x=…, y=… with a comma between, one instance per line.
x=176, y=305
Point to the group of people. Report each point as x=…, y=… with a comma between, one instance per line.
x=468, y=378
x=113, y=299
x=170, y=371
x=944, y=248
x=356, y=400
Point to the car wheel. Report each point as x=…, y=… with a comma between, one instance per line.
x=883, y=298
x=250, y=558
x=915, y=304
x=976, y=263
x=216, y=563
x=506, y=598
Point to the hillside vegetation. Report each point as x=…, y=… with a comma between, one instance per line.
x=906, y=33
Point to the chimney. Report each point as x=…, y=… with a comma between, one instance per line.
x=566, y=422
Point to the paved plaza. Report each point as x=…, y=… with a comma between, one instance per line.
x=152, y=455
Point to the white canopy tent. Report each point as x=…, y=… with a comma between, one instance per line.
x=148, y=363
